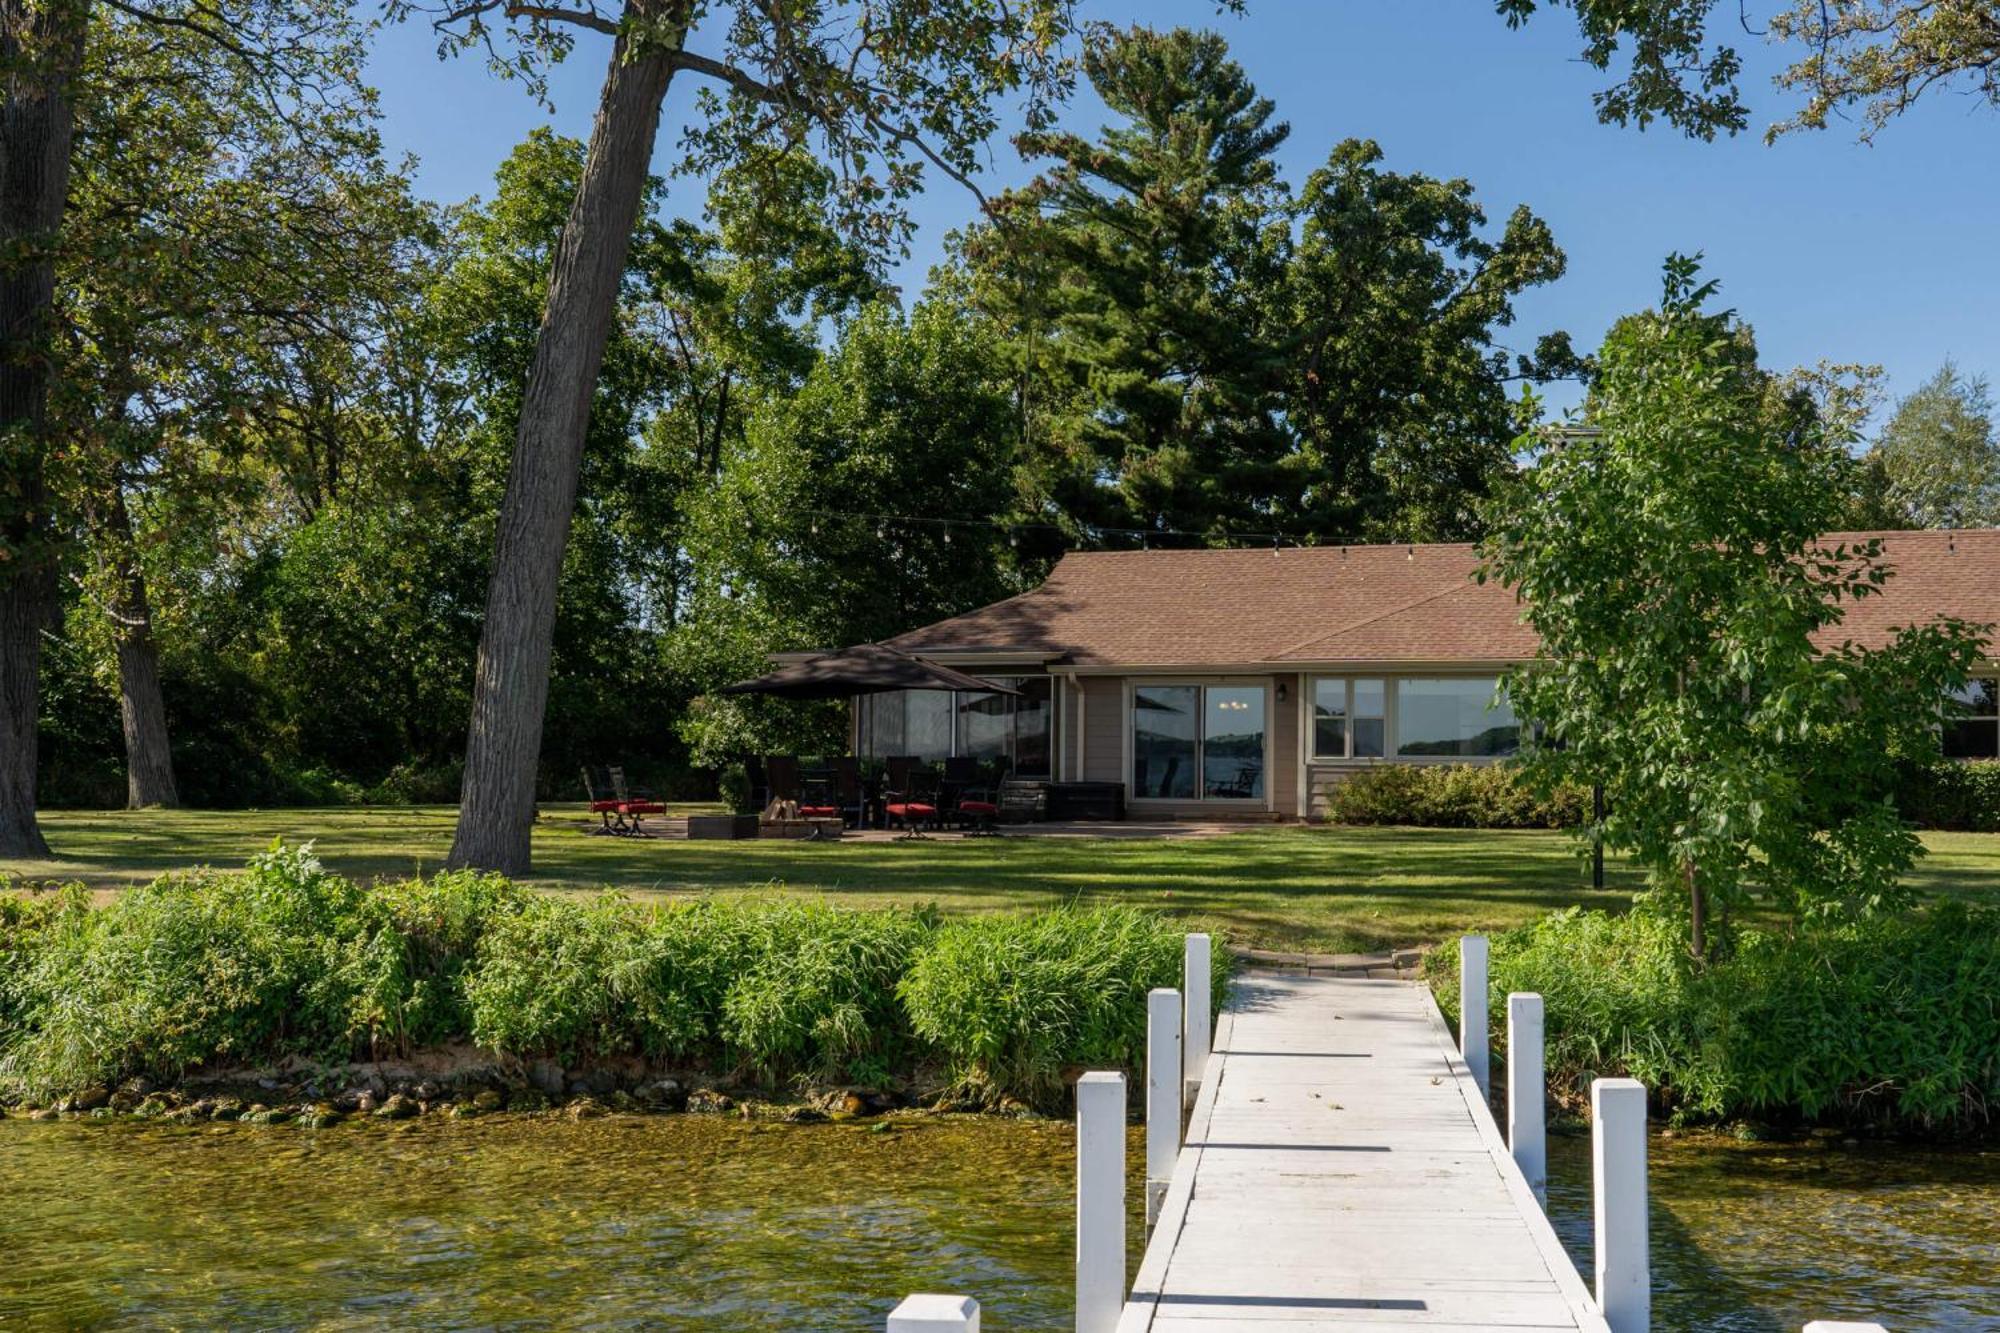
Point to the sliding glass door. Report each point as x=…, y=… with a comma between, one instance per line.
x=1198, y=742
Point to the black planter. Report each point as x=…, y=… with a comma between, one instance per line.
x=727, y=827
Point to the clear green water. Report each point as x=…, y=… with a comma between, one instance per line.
x=1760, y=1238
x=628, y=1222
x=694, y=1222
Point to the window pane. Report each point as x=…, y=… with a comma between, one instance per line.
x=1971, y=739
x=1033, y=717
x=1453, y=717
x=985, y=722
x=1979, y=698
x=1330, y=719
x=1367, y=738
x=928, y=724
x=1368, y=698
x=1163, y=732
x=1232, y=751
x=885, y=724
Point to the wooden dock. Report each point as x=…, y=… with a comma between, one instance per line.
x=1341, y=1171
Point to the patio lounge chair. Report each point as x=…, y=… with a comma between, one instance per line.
x=781, y=778
x=910, y=799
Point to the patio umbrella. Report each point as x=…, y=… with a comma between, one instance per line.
x=867, y=668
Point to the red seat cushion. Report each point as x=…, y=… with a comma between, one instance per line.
x=910, y=809
x=642, y=808
x=607, y=807
x=820, y=811
x=979, y=807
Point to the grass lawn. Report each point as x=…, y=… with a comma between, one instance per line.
x=1282, y=887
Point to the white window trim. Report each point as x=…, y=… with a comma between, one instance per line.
x=1135, y=683
x=1990, y=719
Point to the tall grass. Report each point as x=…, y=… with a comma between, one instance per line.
x=1887, y=1021
x=287, y=958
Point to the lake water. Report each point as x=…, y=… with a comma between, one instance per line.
x=698, y=1222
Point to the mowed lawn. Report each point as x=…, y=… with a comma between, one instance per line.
x=1292, y=887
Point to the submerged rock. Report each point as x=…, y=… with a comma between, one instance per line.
x=586, y=1108
x=320, y=1116
x=225, y=1108
x=398, y=1107
x=707, y=1101
x=665, y=1095
x=89, y=1099
x=486, y=1099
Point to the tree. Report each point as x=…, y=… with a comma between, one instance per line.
x=1142, y=259
x=216, y=243
x=878, y=86
x=1877, y=57
x=1689, y=615
x=42, y=49
x=1939, y=456
x=904, y=418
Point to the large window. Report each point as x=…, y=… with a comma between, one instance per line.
x=1348, y=719
x=1457, y=716
x=1198, y=742
x=1972, y=721
x=937, y=724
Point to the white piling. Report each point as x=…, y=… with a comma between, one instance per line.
x=1472, y=1017
x=1163, y=1094
x=935, y=1314
x=1526, y=1132
x=1618, y=1174
x=1840, y=1326
x=1100, y=1201
x=1197, y=1022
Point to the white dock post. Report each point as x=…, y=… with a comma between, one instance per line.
x=1526, y=1133
x=1472, y=1017
x=1197, y=1024
x=1163, y=1094
x=1618, y=1173
x=1100, y=1201
x=935, y=1314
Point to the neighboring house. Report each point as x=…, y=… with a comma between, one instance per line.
x=1251, y=680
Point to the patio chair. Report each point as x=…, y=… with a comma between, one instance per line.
x=969, y=797
x=910, y=799
x=621, y=809
x=760, y=785
x=838, y=794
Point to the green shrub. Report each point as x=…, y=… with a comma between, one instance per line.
x=1886, y=1020
x=733, y=785
x=1014, y=1003
x=1962, y=795
x=1452, y=796
x=403, y=968
x=548, y=978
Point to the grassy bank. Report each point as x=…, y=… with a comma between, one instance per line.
x=1889, y=1022
x=289, y=959
x=1332, y=888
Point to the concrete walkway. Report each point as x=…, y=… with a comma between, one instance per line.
x=1342, y=1173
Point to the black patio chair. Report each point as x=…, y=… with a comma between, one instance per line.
x=760, y=785
x=971, y=798
x=781, y=774
x=910, y=799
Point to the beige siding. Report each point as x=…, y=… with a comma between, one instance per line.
x=1282, y=779
x=1104, y=729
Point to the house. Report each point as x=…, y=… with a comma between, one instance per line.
x=1250, y=681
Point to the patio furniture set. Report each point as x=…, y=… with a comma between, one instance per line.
x=904, y=792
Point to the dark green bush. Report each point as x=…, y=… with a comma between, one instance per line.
x=733, y=785
x=1893, y=1021
x=1452, y=796
x=288, y=958
x=1957, y=794
x=1015, y=1002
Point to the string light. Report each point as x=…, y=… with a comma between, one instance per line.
x=1208, y=538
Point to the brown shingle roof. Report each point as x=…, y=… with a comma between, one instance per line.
x=1367, y=603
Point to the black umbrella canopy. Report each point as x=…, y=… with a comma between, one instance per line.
x=867, y=668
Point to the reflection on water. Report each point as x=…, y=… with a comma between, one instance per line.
x=686, y=1222
x=674, y=1222
x=1760, y=1238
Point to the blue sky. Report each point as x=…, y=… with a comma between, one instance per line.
x=1831, y=249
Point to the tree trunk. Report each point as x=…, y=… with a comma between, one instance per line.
x=511, y=687
x=149, y=761
x=1697, y=912
x=41, y=45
